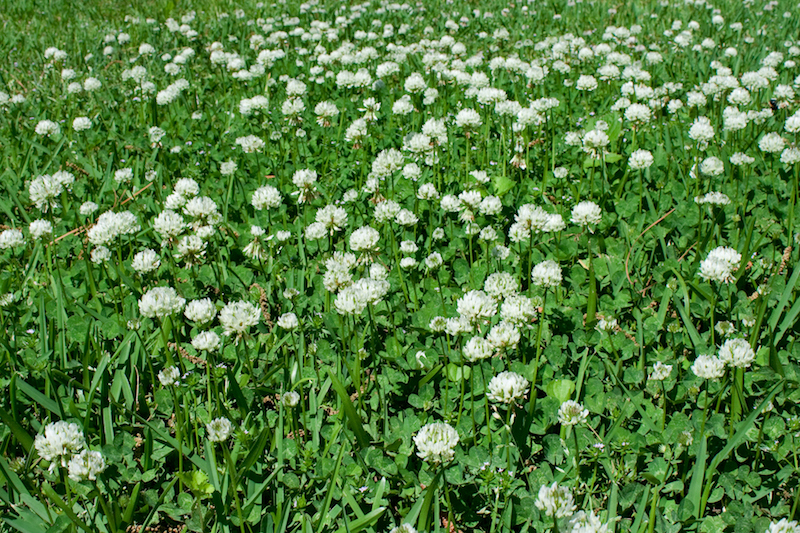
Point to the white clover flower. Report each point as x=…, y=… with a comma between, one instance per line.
x=504, y=335
x=146, y=261
x=581, y=522
x=169, y=376
x=586, y=213
x=712, y=166
x=640, y=160
x=290, y=399
x=40, y=229
x=713, y=198
x=660, y=371
x=477, y=348
x=476, y=305
x=219, y=429
x=227, y=168
x=47, y=128
x=408, y=263
x=771, y=143
x=100, y=254
x=555, y=501
x=740, y=159
x=638, y=113
x=239, y=317
x=160, y=302
x=507, y=387
x=468, y=119
x=288, y=321
x=436, y=442
x=546, y=274
x=266, y=197
x=187, y=187
x=720, y=265
x=708, y=367
x=364, y=238
x=87, y=208
x=737, y=353
x=86, y=466
x=250, y=144
x=501, y=285
x=701, y=130
x=44, y=191
x=206, y=341
x=403, y=528
x=332, y=217
x=111, y=225
x=81, y=123
x=92, y=84
x=784, y=525
x=572, y=413
x=59, y=442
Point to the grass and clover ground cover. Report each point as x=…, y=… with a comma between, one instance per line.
x=440, y=267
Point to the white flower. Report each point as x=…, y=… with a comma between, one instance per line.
x=87, y=208
x=477, y=348
x=219, y=429
x=58, y=442
x=11, y=238
x=586, y=213
x=168, y=224
x=288, y=321
x=146, y=261
x=712, y=166
x=201, y=311
x=86, y=465
x=44, y=190
x=239, y=317
x=701, y=130
x=227, y=168
x=638, y=113
x=660, y=371
x=160, y=302
x=784, y=526
x=737, y=353
x=290, y=399
x=504, y=335
x=713, y=198
x=100, y=254
x=640, y=160
x=332, y=217
x=546, y=274
x=403, y=528
x=408, y=263
x=47, y=128
x=468, y=119
x=572, y=413
x=771, y=143
x=436, y=442
x=476, y=305
x=708, y=367
x=582, y=522
x=364, y=238
x=40, y=228
x=206, y=341
x=720, y=265
x=555, y=501
x=266, y=197
x=81, y=123
x=507, y=387
x=169, y=376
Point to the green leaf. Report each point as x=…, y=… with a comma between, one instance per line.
x=560, y=389
x=350, y=411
